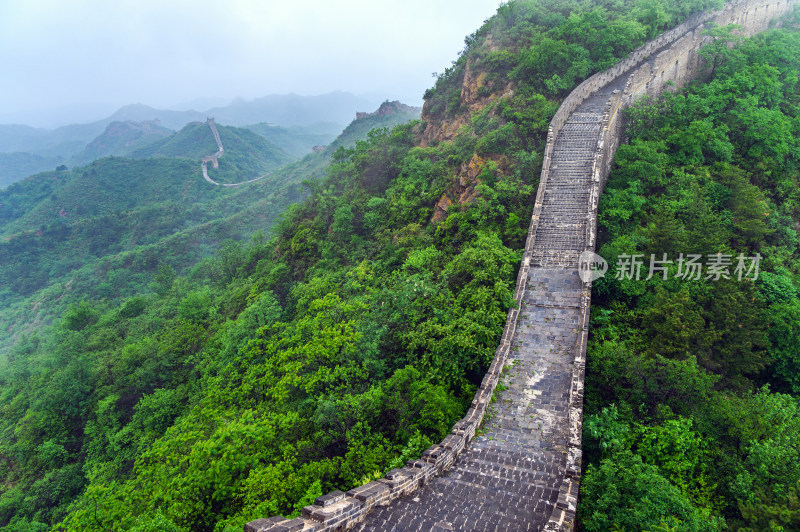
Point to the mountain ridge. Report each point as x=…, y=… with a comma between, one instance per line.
x=60, y=145
x=58, y=205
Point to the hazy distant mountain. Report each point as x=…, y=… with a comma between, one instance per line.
x=298, y=140
x=200, y=103
x=14, y=136
x=293, y=109
x=39, y=148
x=62, y=142
x=174, y=120
x=121, y=138
x=18, y=165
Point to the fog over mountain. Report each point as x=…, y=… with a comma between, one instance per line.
x=25, y=150
x=78, y=62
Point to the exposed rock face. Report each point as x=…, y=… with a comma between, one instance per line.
x=389, y=108
x=464, y=190
x=476, y=93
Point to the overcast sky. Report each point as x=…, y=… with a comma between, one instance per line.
x=79, y=60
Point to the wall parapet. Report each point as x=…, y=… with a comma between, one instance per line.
x=677, y=47
x=677, y=62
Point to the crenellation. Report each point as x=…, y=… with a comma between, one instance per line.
x=370, y=494
x=329, y=499
x=331, y=513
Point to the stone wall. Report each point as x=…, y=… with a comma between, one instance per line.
x=671, y=57
x=676, y=62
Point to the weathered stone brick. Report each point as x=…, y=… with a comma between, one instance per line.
x=330, y=498
x=369, y=494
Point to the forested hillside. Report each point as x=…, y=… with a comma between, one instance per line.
x=104, y=230
x=17, y=165
x=353, y=337
x=101, y=231
x=247, y=154
x=120, y=138
x=692, y=415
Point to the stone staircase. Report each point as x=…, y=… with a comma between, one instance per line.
x=521, y=470
x=509, y=478
x=561, y=232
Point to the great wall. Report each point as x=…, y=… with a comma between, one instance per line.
x=523, y=470
x=214, y=160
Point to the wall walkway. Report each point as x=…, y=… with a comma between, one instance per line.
x=214, y=160
x=523, y=472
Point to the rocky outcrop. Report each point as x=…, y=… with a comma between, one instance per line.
x=476, y=93
x=389, y=108
x=464, y=190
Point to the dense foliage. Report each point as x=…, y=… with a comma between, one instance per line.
x=552, y=45
x=692, y=416
x=358, y=336
x=338, y=348
x=59, y=248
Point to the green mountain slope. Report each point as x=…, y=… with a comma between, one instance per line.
x=388, y=115
x=693, y=381
x=121, y=138
x=344, y=345
x=111, y=205
x=247, y=154
x=193, y=141
x=104, y=229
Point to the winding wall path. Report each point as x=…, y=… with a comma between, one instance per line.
x=523, y=472
x=214, y=160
